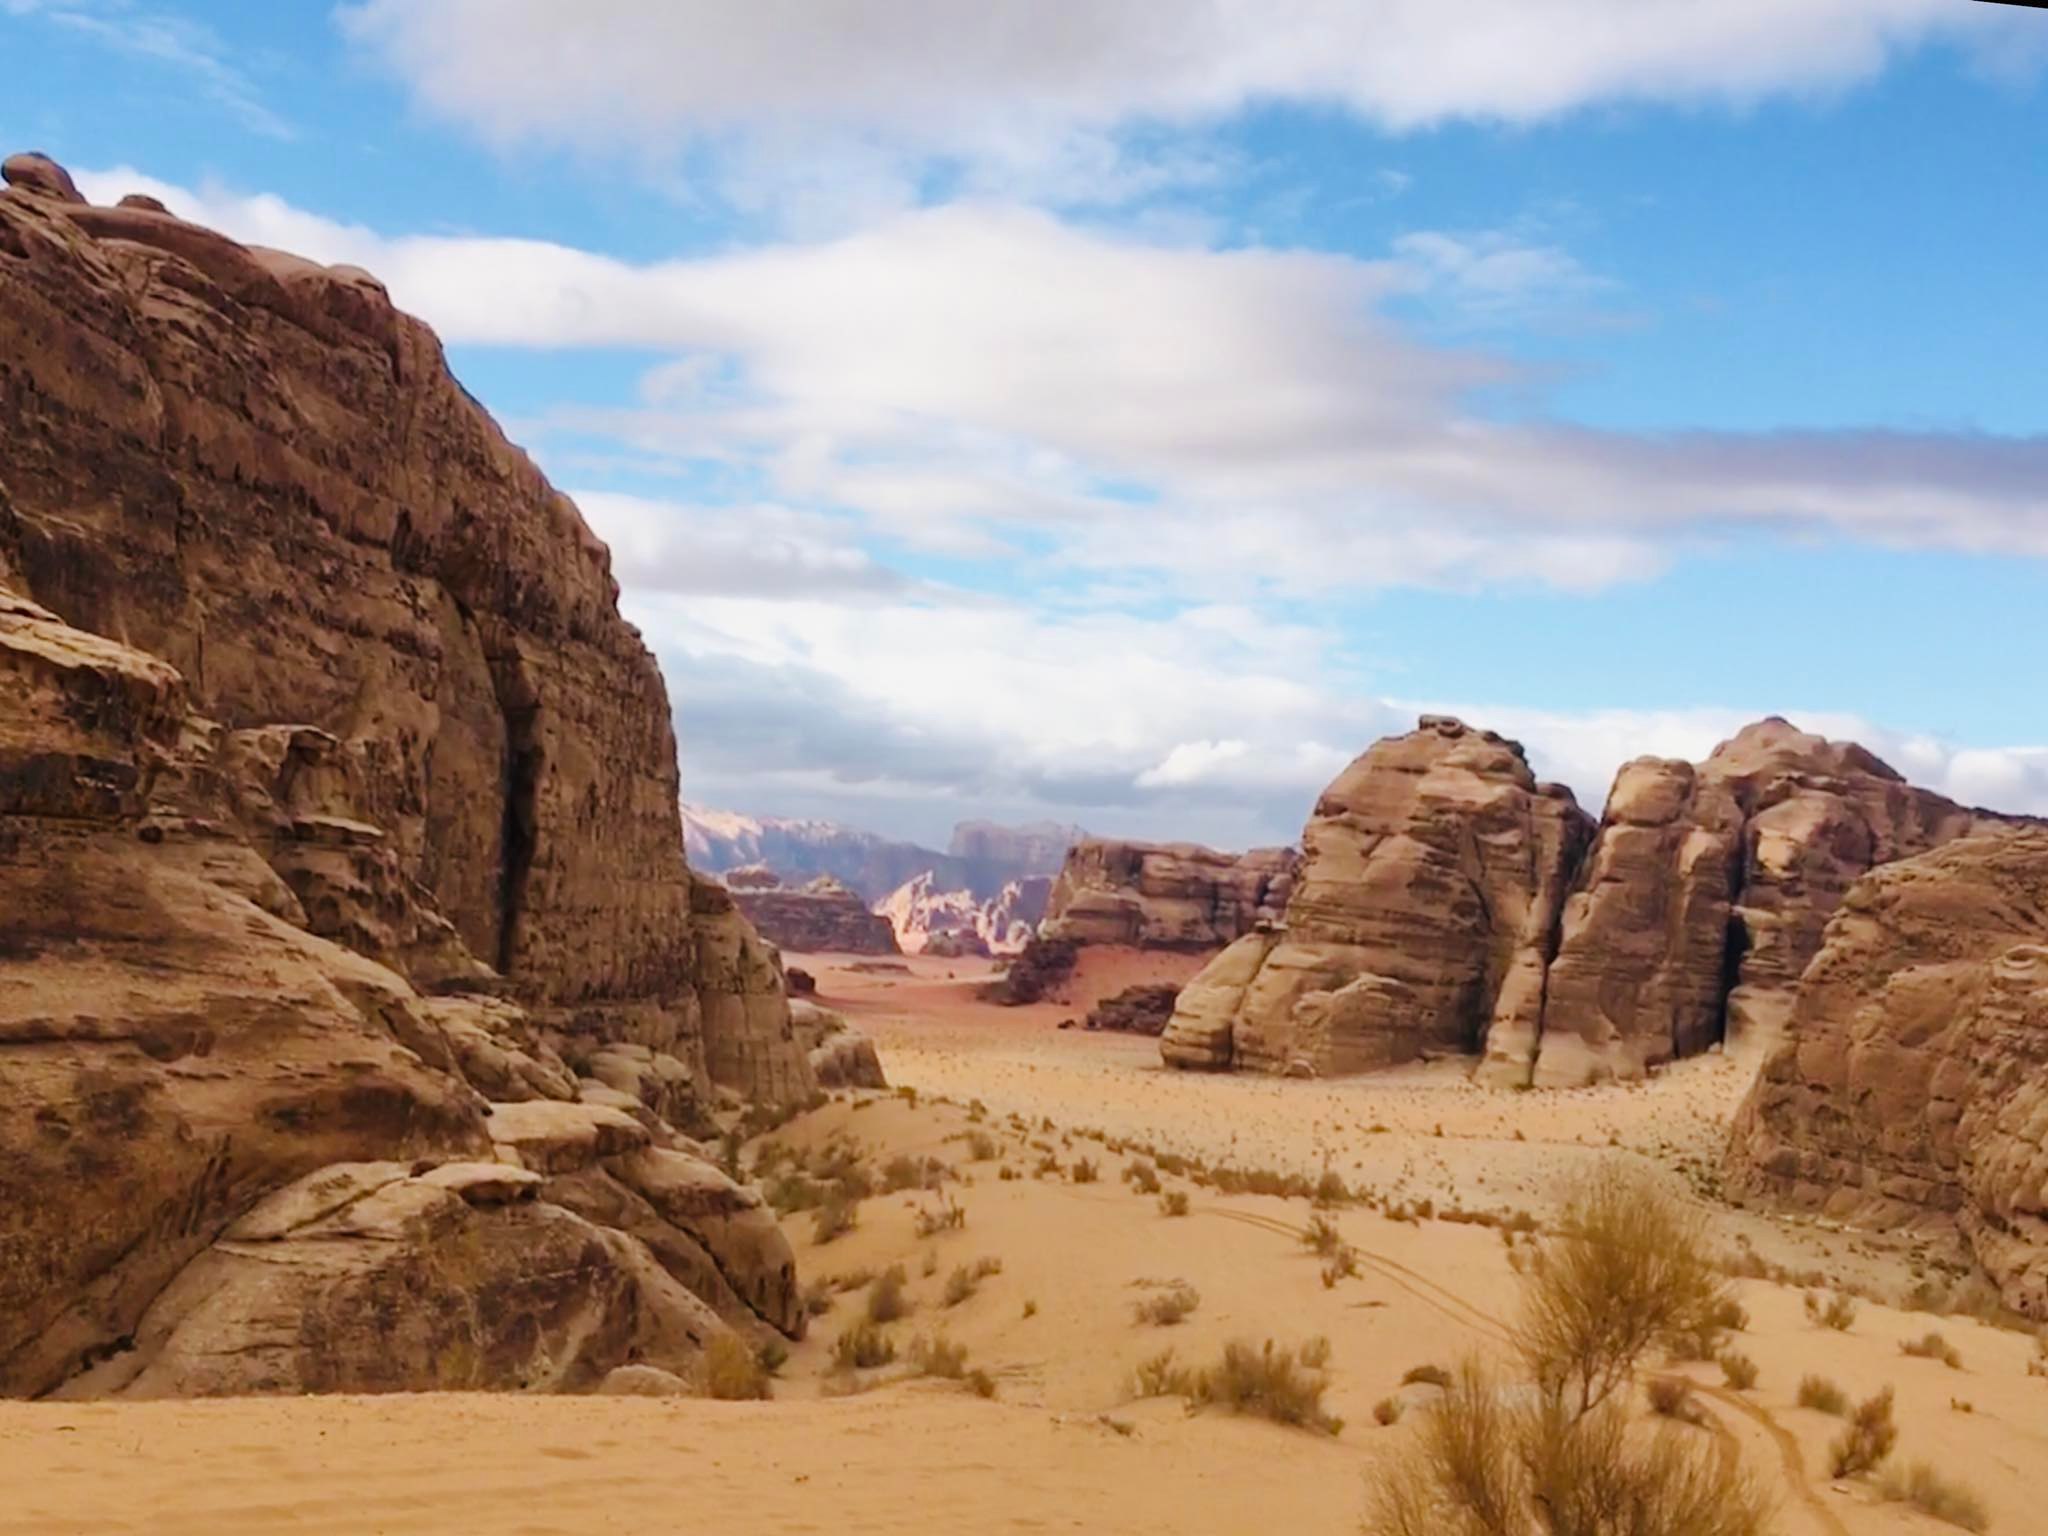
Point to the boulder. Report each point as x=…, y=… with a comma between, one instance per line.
x=1911, y=1086
x=1140, y=1010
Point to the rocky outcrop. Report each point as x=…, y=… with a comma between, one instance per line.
x=1420, y=923
x=823, y=917
x=1036, y=972
x=352, y=988
x=259, y=471
x=1912, y=1084
x=1167, y=895
x=1707, y=893
x=841, y=1056
x=921, y=912
x=1141, y=1010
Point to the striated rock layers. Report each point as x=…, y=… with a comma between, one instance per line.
x=821, y=917
x=352, y=986
x=1450, y=903
x=1166, y=895
x=1420, y=922
x=1707, y=893
x=929, y=919
x=1913, y=1081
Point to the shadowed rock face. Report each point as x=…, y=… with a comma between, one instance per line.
x=1912, y=1084
x=1708, y=890
x=406, y=747
x=820, y=917
x=1420, y=923
x=1166, y=895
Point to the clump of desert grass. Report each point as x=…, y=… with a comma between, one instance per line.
x=966, y=1279
x=731, y=1371
x=886, y=1299
x=1919, y=1485
x=1932, y=1346
x=1822, y=1395
x=1269, y=1381
x=862, y=1347
x=1168, y=1307
x=1868, y=1439
x=1836, y=1311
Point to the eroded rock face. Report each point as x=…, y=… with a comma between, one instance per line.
x=1420, y=922
x=1912, y=1084
x=243, y=1149
x=820, y=917
x=1707, y=893
x=1166, y=895
x=257, y=470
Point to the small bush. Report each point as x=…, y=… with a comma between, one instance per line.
x=886, y=1301
x=1932, y=1346
x=1739, y=1370
x=1030, y=1308
x=1161, y=1376
x=1331, y=1190
x=1169, y=1307
x=1728, y=1315
x=835, y=1218
x=862, y=1347
x=1174, y=1203
x=902, y=1172
x=1671, y=1398
x=817, y=1298
x=731, y=1371
x=1272, y=1383
x=939, y=1356
x=1837, y=1311
x=1928, y=1491
x=1322, y=1235
x=1387, y=1411
x=1868, y=1439
x=1142, y=1177
x=1818, y=1393
x=1428, y=1376
x=1083, y=1171
x=773, y=1355
x=1341, y=1265
x=946, y=1216
x=980, y=1383
x=981, y=1147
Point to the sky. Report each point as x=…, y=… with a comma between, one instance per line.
x=1124, y=413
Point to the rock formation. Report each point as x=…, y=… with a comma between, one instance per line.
x=823, y=917
x=346, y=947
x=928, y=919
x=841, y=1056
x=1912, y=1085
x=1706, y=895
x=1420, y=923
x=1166, y=895
x=1141, y=1010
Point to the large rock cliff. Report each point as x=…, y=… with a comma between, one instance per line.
x=1166, y=895
x=346, y=948
x=819, y=917
x=1420, y=923
x=1912, y=1085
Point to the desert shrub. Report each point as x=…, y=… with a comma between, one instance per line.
x=1030, y=1308
x=1341, y=1265
x=1174, y=1203
x=1387, y=1411
x=835, y=1218
x=1048, y=1166
x=1729, y=1315
x=773, y=1355
x=1006, y=1173
x=1932, y=1346
x=1331, y=1190
x=1868, y=1439
x=1142, y=1177
x=1322, y=1235
x=1084, y=1171
x=1837, y=1311
x=981, y=1147
x=886, y=1301
x=1315, y=1354
x=1738, y=1370
x=1671, y=1398
x=1161, y=1375
x=1628, y=1266
x=937, y=1355
x=1428, y=1376
x=980, y=1383
x=1819, y=1393
x=1272, y=1383
x=730, y=1370
x=862, y=1347
x=947, y=1216
x=967, y=1278
x=930, y=1264
x=1928, y=1491
x=817, y=1298
x=1486, y=1464
x=1169, y=1306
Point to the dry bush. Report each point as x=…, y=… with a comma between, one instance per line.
x=1817, y=1392
x=773, y=1354
x=966, y=1280
x=902, y=1172
x=946, y=1216
x=835, y=1218
x=1341, y=1265
x=1331, y=1190
x=862, y=1347
x=1627, y=1267
x=1174, y=1203
x=1273, y=1383
x=937, y=1355
x=1671, y=1398
x=1142, y=1177
x=1387, y=1410
x=817, y=1298
x=1487, y=1464
x=1738, y=1370
x=1169, y=1307
x=1868, y=1439
x=1932, y=1346
x=886, y=1301
x=1084, y=1171
x=1030, y=1308
x=730, y=1370
x=981, y=1147
x=1322, y=1235
x=980, y=1383
x=1837, y=1311
x=1161, y=1375
x=1928, y=1491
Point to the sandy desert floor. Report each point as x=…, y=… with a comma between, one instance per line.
x=1062, y=1446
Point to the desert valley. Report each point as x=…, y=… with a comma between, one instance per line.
x=420, y=1114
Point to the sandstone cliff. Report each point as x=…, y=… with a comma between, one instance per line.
x=1913, y=1082
x=821, y=917
x=1166, y=896
x=315, y=702
x=930, y=919
x=1420, y=923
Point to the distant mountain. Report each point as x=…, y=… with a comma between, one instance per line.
x=920, y=910
x=983, y=856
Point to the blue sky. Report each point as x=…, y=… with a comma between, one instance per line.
x=1019, y=410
